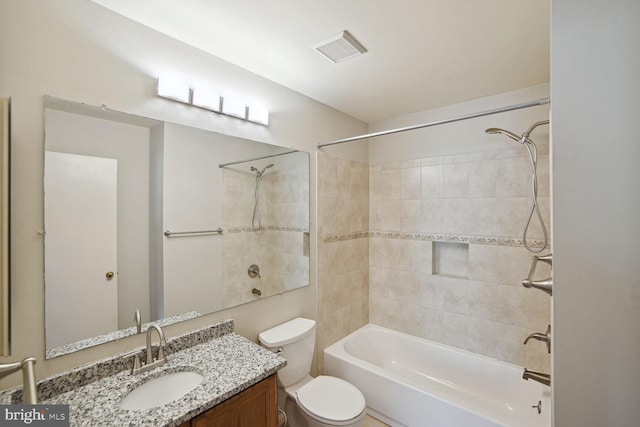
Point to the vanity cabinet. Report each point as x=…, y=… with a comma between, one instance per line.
x=257, y=406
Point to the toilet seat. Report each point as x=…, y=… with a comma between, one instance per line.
x=331, y=400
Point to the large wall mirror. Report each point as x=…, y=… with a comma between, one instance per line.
x=167, y=220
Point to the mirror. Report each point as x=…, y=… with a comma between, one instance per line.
x=5, y=156
x=162, y=218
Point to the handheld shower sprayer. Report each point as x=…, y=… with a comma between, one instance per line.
x=522, y=139
x=533, y=156
x=255, y=220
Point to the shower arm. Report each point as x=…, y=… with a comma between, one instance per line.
x=526, y=134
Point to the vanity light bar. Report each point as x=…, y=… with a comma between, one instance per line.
x=208, y=99
x=174, y=90
x=234, y=107
x=258, y=115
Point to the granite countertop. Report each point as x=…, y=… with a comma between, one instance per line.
x=115, y=335
x=229, y=364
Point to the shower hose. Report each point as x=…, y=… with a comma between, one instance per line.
x=533, y=156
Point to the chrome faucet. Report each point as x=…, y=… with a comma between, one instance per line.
x=546, y=338
x=28, y=377
x=536, y=376
x=150, y=362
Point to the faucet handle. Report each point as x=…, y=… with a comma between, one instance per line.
x=137, y=365
x=546, y=338
x=545, y=285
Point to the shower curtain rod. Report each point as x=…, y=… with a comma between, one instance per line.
x=535, y=103
x=221, y=165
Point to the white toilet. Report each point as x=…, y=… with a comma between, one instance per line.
x=307, y=401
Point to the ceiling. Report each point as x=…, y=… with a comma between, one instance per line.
x=422, y=54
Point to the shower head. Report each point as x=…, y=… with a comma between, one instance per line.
x=507, y=133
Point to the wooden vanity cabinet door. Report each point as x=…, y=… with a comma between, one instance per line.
x=255, y=407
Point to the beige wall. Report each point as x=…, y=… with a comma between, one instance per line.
x=343, y=249
x=596, y=206
x=76, y=50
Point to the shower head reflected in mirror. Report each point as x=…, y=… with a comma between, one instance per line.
x=260, y=172
x=255, y=219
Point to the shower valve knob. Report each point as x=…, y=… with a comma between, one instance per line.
x=254, y=271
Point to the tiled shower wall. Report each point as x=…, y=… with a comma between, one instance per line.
x=280, y=248
x=445, y=257
x=446, y=260
x=343, y=249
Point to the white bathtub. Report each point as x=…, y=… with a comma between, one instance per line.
x=409, y=381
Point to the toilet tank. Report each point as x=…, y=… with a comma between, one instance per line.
x=297, y=339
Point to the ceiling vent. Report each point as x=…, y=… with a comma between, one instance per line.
x=340, y=47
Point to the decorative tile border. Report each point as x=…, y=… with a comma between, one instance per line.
x=245, y=229
x=479, y=240
x=343, y=237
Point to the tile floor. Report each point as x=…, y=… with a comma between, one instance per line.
x=372, y=422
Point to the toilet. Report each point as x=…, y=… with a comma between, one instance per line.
x=307, y=401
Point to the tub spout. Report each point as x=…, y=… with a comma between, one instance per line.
x=536, y=376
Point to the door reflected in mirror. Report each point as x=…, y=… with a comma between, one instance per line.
x=167, y=219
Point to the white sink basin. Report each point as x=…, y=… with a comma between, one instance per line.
x=162, y=390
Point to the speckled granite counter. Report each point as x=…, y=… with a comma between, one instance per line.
x=115, y=335
x=228, y=362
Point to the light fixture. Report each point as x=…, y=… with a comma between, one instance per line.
x=340, y=47
x=258, y=115
x=234, y=107
x=203, y=96
x=173, y=89
x=206, y=97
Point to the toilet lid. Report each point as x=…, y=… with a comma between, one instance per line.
x=331, y=398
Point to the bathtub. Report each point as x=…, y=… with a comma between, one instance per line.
x=409, y=381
